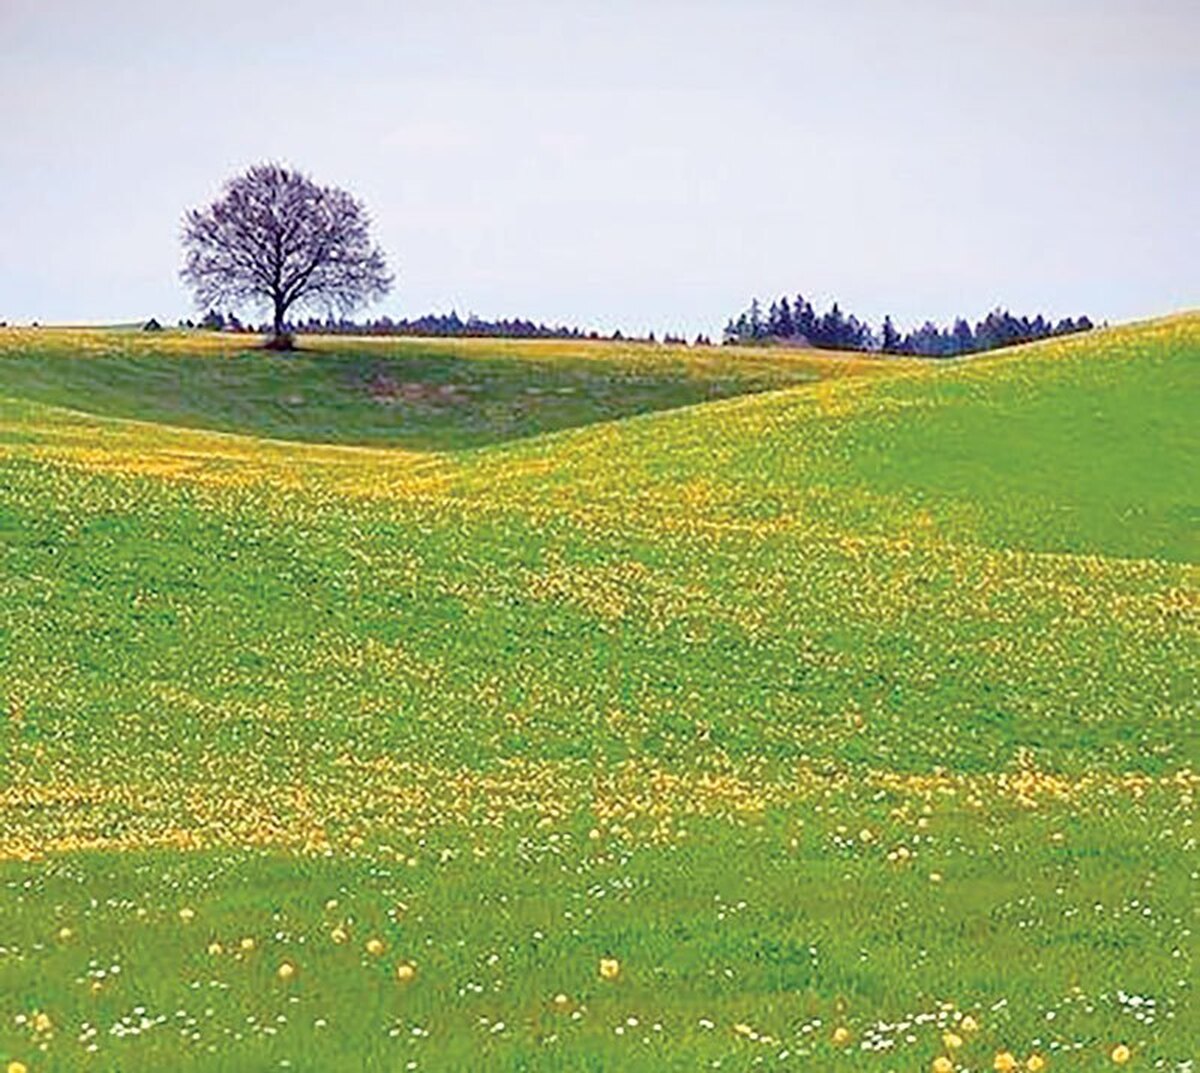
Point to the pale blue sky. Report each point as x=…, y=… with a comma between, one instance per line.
x=642, y=165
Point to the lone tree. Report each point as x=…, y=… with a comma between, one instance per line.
x=276, y=239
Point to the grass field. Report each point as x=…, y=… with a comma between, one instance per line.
x=582, y=707
x=429, y=394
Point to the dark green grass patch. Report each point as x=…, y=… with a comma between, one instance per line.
x=399, y=394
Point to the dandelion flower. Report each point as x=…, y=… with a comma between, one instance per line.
x=841, y=1036
x=560, y=999
x=1035, y=1063
x=952, y=1040
x=969, y=1024
x=339, y=935
x=1120, y=1054
x=17, y=1067
x=63, y=934
x=942, y=1064
x=187, y=914
x=374, y=947
x=215, y=948
x=247, y=943
x=610, y=968
x=935, y=877
x=41, y=1022
x=1004, y=1062
x=405, y=972
x=332, y=904
x=286, y=971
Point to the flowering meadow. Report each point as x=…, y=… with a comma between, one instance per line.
x=423, y=705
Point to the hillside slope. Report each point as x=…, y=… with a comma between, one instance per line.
x=843, y=517
x=423, y=394
x=845, y=703
x=1079, y=445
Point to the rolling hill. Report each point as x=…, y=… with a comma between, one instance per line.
x=846, y=706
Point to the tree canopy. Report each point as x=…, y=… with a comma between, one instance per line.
x=275, y=239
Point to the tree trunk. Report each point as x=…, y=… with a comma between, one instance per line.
x=280, y=340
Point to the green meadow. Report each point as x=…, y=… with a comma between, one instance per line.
x=455, y=705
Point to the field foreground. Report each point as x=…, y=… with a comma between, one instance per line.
x=637, y=709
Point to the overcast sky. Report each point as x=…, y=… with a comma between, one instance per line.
x=642, y=165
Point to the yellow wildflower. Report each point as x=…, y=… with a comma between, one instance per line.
x=610, y=968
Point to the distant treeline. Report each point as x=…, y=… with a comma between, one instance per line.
x=797, y=322
x=432, y=324
x=785, y=322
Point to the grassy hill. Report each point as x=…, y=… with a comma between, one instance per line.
x=427, y=394
x=820, y=693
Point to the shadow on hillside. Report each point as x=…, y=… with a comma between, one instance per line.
x=429, y=401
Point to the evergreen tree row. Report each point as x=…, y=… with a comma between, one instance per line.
x=798, y=322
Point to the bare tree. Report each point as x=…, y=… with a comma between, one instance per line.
x=276, y=239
